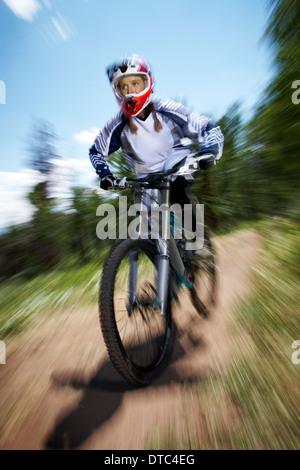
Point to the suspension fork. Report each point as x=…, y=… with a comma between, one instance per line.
x=162, y=266
x=133, y=268
x=163, y=257
x=162, y=262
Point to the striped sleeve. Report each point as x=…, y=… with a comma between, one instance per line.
x=106, y=143
x=200, y=129
x=213, y=140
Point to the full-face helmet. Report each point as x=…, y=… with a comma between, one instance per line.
x=131, y=104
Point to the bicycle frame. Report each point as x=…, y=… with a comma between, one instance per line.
x=167, y=250
x=167, y=254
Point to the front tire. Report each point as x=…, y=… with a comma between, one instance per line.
x=139, y=339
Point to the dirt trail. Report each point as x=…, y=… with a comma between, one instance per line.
x=59, y=390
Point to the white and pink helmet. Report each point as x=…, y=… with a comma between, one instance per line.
x=131, y=104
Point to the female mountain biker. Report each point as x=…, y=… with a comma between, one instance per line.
x=149, y=130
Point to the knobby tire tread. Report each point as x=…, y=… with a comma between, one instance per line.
x=107, y=318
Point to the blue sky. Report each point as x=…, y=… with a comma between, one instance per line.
x=53, y=55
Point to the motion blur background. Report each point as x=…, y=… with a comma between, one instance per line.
x=236, y=61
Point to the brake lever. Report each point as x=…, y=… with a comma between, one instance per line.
x=120, y=185
x=195, y=164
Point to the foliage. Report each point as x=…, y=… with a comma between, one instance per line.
x=251, y=403
x=257, y=175
x=42, y=147
x=275, y=129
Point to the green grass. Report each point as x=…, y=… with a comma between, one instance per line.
x=238, y=226
x=22, y=301
x=255, y=402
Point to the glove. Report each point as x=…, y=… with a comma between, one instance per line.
x=206, y=163
x=108, y=181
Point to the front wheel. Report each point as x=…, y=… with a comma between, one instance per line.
x=139, y=339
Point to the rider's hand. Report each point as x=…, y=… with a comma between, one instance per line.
x=108, y=181
x=121, y=183
x=205, y=164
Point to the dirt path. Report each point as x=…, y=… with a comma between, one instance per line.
x=59, y=390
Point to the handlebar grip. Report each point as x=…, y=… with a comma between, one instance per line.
x=207, y=161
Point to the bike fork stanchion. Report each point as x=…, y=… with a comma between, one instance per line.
x=163, y=258
x=163, y=276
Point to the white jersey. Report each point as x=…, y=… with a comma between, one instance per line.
x=147, y=150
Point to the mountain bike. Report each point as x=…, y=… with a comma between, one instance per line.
x=141, y=280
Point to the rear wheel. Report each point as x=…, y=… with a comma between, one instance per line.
x=203, y=294
x=138, y=337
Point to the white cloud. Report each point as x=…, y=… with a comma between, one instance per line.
x=25, y=9
x=15, y=208
x=57, y=29
x=60, y=29
x=63, y=27
x=69, y=172
x=86, y=136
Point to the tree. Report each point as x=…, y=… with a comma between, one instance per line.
x=275, y=130
x=82, y=236
x=42, y=147
x=42, y=150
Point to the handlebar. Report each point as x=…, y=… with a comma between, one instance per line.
x=192, y=165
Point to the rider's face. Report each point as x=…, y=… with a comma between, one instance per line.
x=131, y=84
